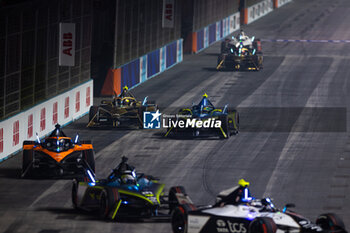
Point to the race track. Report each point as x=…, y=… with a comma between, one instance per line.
x=293, y=145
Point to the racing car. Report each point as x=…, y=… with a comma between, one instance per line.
x=236, y=211
x=124, y=193
x=123, y=110
x=242, y=52
x=204, y=119
x=57, y=156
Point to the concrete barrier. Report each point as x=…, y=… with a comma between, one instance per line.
x=279, y=3
x=259, y=10
x=204, y=37
x=42, y=118
x=142, y=68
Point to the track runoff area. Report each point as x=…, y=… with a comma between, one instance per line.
x=293, y=144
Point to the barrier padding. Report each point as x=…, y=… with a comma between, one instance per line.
x=130, y=73
x=171, y=54
x=200, y=40
x=142, y=68
x=153, y=63
x=212, y=33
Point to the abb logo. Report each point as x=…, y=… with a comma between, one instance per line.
x=88, y=101
x=42, y=119
x=54, y=113
x=15, y=140
x=30, y=126
x=66, y=107
x=169, y=11
x=67, y=43
x=77, y=101
x=1, y=140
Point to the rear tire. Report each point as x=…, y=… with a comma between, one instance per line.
x=262, y=225
x=92, y=113
x=104, y=205
x=75, y=194
x=330, y=222
x=172, y=196
x=27, y=162
x=224, y=127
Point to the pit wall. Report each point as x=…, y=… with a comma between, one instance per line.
x=42, y=118
x=204, y=37
x=142, y=68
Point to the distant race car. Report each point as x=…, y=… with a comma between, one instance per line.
x=123, y=110
x=57, y=155
x=125, y=193
x=236, y=211
x=202, y=120
x=241, y=53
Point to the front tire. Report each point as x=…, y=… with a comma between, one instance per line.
x=262, y=225
x=179, y=220
x=330, y=222
x=172, y=196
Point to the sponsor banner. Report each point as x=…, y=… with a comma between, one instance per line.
x=259, y=10
x=162, y=58
x=66, y=55
x=179, y=50
x=218, y=26
x=42, y=118
x=234, y=23
x=282, y=2
x=168, y=14
x=143, y=68
x=206, y=37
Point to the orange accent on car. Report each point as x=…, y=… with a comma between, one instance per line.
x=58, y=156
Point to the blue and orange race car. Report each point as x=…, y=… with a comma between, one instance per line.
x=57, y=156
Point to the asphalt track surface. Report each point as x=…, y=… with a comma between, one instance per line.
x=306, y=162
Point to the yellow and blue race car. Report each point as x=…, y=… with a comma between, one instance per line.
x=204, y=119
x=125, y=193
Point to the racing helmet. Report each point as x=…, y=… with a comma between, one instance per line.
x=128, y=179
x=126, y=102
x=245, y=194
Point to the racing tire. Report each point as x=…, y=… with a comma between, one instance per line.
x=103, y=209
x=92, y=112
x=140, y=114
x=234, y=126
x=262, y=225
x=75, y=194
x=223, y=47
x=331, y=223
x=89, y=157
x=224, y=127
x=172, y=196
x=27, y=162
x=179, y=220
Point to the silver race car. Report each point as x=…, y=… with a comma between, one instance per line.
x=236, y=211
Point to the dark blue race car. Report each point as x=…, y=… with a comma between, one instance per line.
x=204, y=119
